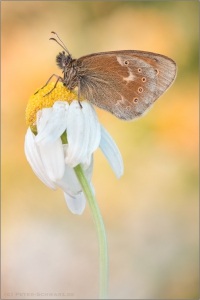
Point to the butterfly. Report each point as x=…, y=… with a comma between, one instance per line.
x=125, y=83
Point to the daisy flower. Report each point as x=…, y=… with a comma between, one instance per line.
x=62, y=135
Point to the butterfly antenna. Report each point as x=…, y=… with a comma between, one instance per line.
x=64, y=47
x=59, y=44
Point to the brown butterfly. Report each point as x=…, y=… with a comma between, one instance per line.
x=125, y=83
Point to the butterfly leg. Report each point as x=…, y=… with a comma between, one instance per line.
x=48, y=82
x=58, y=79
x=79, y=95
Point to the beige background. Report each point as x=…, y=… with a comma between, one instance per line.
x=151, y=213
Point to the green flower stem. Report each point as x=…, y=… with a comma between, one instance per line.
x=103, y=249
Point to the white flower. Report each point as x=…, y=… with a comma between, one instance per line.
x=53, y=162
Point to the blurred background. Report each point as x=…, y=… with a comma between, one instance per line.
x=151, y=213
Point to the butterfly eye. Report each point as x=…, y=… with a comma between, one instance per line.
x=135, y=100
x=140, y=89
x=139, y=70
x=144, y=79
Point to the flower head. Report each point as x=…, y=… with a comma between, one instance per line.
x=63, y=134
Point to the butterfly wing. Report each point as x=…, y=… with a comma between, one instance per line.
x=125, y=83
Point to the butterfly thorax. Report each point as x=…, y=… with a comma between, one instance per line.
x=65, y=62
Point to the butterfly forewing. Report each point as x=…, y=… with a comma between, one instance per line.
x=125, y=83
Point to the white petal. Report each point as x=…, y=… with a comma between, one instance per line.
x=77, y=134
x=77, y=204
x=111, y=152
x=55, y=125
x=69, y=182
x=94, y=132
x=42, y=118
x=89, y=169
x=34, y=159
x=53, y=159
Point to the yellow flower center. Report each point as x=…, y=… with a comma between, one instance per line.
x=39, y=100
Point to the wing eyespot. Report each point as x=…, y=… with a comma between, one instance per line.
x=144, y=79
x=139, y=70
x=140, y=89
x=135, y=100
x=157, y=72
x=126, y=62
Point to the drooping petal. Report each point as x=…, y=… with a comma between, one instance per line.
x=77, y=204
x=69, y=182
x=88, y=169
x=42, y=118
x=55, y=125
x=111, y=152
x=96, y=127
x=53, y=159
x=34, y=159
x=83, y=133
x=77, y=134
x=94, y=134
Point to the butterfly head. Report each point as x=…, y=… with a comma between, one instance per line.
x=63, y=61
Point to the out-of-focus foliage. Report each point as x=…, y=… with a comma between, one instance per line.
x=151, y=213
